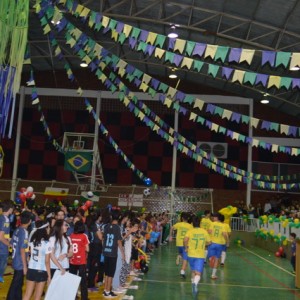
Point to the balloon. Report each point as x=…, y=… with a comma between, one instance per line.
x=280, y=250
x=90, y=194
x=18, y=200
x=76, y=202
x=22, y=190
x=88, y=203
x=137, y=265
x=33, y=197
x=84, y=207
x=23, y=197
x=145, y=269
x=29, y=189
x=29, y=194
x=284, y=242
x=277, y=254
x=148, y=182
x=142, y=263
x=143, y=253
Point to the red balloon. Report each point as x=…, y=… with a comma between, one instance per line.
x=277, y=254
x=88, y=203
x=137, y=265
x=29, y=194
x=281, y=250
x=84, y=207
x=22, y=197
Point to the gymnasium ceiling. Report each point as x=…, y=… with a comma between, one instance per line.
x=257, y=24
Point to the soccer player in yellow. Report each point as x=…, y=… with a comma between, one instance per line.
x=182, y=228
x=194, y=242
x=205, y=224
x=219, y=238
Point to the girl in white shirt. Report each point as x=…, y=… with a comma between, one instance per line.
x=61, y=245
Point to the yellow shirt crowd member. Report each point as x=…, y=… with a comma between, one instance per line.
x=182, y=228
x=197, y=240
x=216, y=231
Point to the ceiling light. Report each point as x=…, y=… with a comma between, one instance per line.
x=173, y=34
x=55, y=23
x=295, y=68
x=83, y=65
x=264, y=100
x=173, y=75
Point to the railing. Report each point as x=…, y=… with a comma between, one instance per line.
x=274, y=230
x=248, y=225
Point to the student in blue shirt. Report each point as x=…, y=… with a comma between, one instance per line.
x=19, y=243
x=7, y=209
x=112, y=241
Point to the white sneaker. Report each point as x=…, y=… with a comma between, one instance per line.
x=133, y=287
x=132, y=273
x=136, y=279
x=128, y=297
x=140, y=273
x=119, y=291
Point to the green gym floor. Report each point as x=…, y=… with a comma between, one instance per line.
x=249, y=273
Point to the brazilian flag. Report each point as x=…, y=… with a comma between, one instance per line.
x=76, y=161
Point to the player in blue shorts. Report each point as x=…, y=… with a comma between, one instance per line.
x=195, y=241
x=219, y=238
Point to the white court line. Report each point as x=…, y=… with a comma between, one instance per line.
x=282, y=269
x=224, y=284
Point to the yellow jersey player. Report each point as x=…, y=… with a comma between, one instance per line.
x=195, y=242
x=205, y=224
x=219, y=238
x=181, y=228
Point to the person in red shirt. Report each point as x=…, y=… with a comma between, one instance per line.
x=80, y=244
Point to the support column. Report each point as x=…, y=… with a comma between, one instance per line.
x=95, y=145
x=249, y=164
x=17, y=145
x=174, y=165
